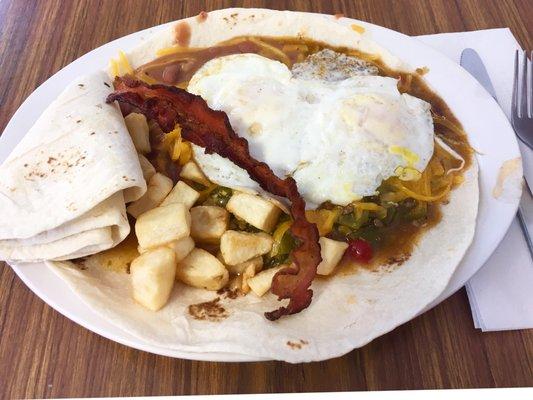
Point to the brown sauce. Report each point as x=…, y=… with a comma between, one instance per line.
x=202, y=16
x=396, y=241
x=208, y=311
x=177, y=68
x=183, y=34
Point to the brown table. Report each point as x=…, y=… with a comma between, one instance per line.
x=43, y=354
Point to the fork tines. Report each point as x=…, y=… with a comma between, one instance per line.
x=522, y=102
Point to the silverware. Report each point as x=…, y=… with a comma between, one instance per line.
x=471, y=61
x=522, y=104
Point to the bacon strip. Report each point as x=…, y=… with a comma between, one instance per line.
x=211, y=130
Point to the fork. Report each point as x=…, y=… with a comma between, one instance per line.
x=522, y=121
x=522, y=103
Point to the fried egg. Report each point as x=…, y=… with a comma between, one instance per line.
x=339, y=139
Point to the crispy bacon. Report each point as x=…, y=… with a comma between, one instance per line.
x=211, y=130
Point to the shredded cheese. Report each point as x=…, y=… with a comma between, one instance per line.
x=422, y=197
x=185, y=153
x=171, y=137
x=124, y=63
x=168, y=50
x=357, y=28
x=176, y=149
x=365, y=206
x=280, y=55
x=407, y=174
x=120, y=66
x=114, y=67
x=324, y=219
x=453, y=153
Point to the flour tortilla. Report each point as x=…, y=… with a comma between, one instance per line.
x=63, y=189
x=347, y=311
x=226, y=24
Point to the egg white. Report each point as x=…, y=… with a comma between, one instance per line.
x=338, y=140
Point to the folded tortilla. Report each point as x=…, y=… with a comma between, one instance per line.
x=64, y=187
x=348, y=310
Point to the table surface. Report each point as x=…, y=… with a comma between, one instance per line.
x=43, y=354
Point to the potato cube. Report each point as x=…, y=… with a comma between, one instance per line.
x=212, y=248
x=255, y=210
x=202, y=270
x=208, y=223
x=163, y=225
x=152, y=277
x=331, y=252
x=235, y=283
x=117, y=259
x=158, y=187
x=237, y=247
x=139, y=132
x=146, y=167
x=182, y=193
x=261, y=283
x=240, y=282
x=181, y=247
x=193, y=172
x=248, y=273
x=256, y=263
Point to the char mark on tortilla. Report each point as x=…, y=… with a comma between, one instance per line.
x=211, y=130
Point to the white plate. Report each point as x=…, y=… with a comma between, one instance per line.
x=476, y=110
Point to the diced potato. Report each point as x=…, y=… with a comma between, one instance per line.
x=256, y=263
x=238, y=247
x=202, y=270
x=182, y=193
x=146, y=167
x=152, y=277
x=235, y=283
x=163, y=225
x=139, y=132
x=212, y=248
x=182, y=247
x=255, y=210
x=248, y=273
x=193, y=172
x=158, y=187
x=331, y=252
x=240, y=282
x=208, y=223
x=261, y=283
x=117, y=259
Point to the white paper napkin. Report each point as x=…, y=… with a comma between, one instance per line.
x=501, y=293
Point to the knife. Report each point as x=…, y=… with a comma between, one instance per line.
x=471, y=61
